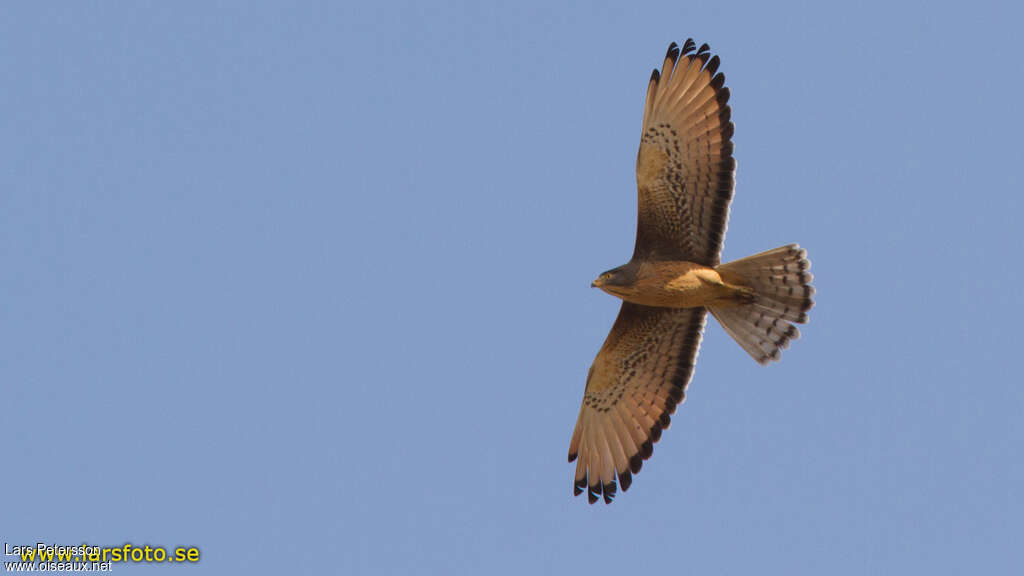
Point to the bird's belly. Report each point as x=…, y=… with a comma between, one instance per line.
x=689, y=288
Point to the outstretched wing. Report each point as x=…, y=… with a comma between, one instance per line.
x=634, y=385
x=685, y=171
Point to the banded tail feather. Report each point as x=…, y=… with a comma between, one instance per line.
x=782, y=295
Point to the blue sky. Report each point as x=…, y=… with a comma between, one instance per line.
x=307, y=286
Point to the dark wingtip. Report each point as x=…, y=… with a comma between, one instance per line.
x=625, y=480
x=578, y=486
x=656, y=432
x=593, y=493
x=728, y=130
x=636, y=462
x=689, y=46
x=655, y=75
x=713, y=64
x=676, y=395
x=572, y=456
x=646, y=449
x=723, y=96
x=718, y=82
x=673, y=53
x=665, y=420
x=609, y=492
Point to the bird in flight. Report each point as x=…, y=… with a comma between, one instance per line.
x=685, y=176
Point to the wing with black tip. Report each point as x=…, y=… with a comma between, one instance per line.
x=685, y=169
x=637, y=380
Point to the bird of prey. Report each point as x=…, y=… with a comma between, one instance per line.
x=685, y=176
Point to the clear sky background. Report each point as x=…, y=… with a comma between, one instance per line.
x=306, y=285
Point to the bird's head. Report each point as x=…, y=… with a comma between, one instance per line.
x=616, y=280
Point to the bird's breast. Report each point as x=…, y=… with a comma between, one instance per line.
x=675, y=285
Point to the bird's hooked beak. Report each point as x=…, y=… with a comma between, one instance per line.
x=611, y=280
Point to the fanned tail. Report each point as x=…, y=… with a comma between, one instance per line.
x=782, y=295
